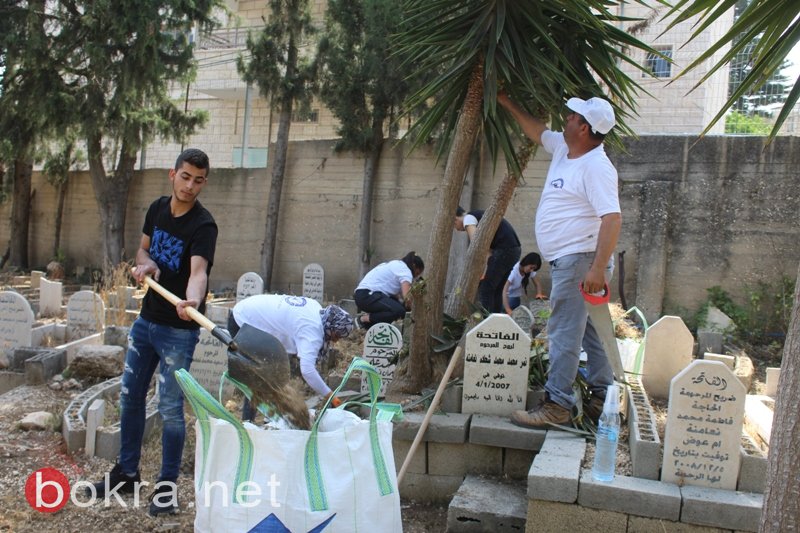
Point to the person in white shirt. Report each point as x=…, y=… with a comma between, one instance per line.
x=381, y=294
x=302, y=326
x=517, y=282
x=577, y=227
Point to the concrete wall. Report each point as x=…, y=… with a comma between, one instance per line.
x=719, y=211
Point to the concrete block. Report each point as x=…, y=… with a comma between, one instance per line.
x=94, y=419
x=709, y=341
x=640, y=524
x=499, y=431
x=517, y=463
x=40, y=368
x=643, y=439
x=555, y=471
x=721, y=508
x=18, y=356
x=555, y=517
x=419, y=462
x=428, y=488
x=446, y=459
x=447, y=427
x=773, y=377
x=630, y=495
x=752, y=468
x=727, y=360
x=450, y=401
x=10, y=380
x=485, y=505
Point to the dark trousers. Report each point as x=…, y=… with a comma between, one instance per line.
x=381, y=307
x=490, y=290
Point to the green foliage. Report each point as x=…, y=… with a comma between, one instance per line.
x=763, y=318
x=540, y=52
x=741, y=123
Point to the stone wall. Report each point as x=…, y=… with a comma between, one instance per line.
x=718, y=211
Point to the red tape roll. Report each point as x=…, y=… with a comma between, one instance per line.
x=594, y=299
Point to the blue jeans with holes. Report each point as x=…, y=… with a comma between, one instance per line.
x=569, y=327
x=149, y=345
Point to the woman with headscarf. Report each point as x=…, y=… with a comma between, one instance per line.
x=381, y=294
x=302, y=326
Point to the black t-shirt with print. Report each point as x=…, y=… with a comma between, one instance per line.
x=505, y=237
x=173, y=241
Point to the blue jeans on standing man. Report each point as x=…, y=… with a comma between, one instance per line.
x=149, y=345
x=569, y=328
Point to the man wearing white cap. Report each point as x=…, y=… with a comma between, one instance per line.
x=577, y=226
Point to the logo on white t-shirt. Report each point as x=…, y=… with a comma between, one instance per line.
x=297, y=301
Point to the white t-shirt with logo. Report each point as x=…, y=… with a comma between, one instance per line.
x=387, y=278
x=577, y=192
x=515, y=282
x=295, y=321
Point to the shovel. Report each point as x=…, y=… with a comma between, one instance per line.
x=597, y=306
x=255, y=357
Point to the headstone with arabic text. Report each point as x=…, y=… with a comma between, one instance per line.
x=496, y=367
x=86, y=315
x=704, y=427
x=249, y=284
x=16, y=321
x=314, y=282
x=381, y=345
x=523, y=317
x=209, y=362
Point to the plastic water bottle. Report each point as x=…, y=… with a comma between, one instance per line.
x=605, y=453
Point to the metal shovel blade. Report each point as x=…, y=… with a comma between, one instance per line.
x=259, y=358
x=597, y=306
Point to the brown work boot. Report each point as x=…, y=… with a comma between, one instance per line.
x=593, y=407
x=543, y=416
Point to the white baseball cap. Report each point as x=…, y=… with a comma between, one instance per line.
x=597, y=112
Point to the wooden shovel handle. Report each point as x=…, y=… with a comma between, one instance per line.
x=425, y=421
x=193, y=313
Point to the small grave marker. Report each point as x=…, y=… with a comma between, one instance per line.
x=314, y=282
x=668, y=350
x=496, y=367
x=51, y=294
x=209, y=362
x=523, y=317
x=86, y=314
x=16, y=321
x=381, y=344
x=249, y=284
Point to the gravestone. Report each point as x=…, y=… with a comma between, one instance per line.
x=51, y=294
x=668, y=350
x=523, y=317
x=86, y=315
x=704, y=427
x=36, y=277
x=16, y=321
x=209, y=362
x=314, y=282
x=773, y=377
x=381, y=344
x=496, y=367
x=249, y=284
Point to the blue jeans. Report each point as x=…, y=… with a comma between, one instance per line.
x=569, y=327
x=149, y=345
x=514, y=301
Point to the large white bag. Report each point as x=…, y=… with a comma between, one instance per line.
x=290, y=480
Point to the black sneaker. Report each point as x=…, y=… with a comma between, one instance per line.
x=164, y=500
x=115, y=481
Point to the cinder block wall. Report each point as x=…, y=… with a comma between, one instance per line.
x=718, y=211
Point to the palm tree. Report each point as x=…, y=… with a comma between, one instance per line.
x=541, y=52
x=777, y=22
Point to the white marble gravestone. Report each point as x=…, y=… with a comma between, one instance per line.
x=314, y=282
x=249, y=284
x=496, y=367
x=209, y=362
x=704, y=427
x=523, y=317
x=86, y=314
x=668, y=350
x=16, y=321
x=51, y=294
x=381, y=344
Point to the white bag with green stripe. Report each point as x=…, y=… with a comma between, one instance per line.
x=253, y=480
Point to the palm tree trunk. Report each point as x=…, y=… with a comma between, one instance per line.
x=61, y=193
x=21, y=211
x=429, y=314
x=467, y=284
x=781, y=510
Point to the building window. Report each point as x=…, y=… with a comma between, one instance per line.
x=660, y=67
x=305, y=115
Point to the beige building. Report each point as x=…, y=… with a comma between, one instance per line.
x=240, y=116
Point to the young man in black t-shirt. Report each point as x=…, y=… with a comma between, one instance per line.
x=177, y=249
